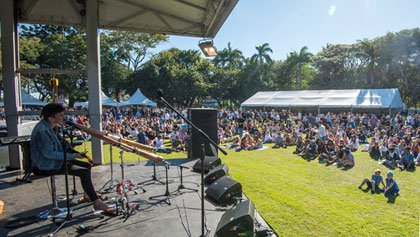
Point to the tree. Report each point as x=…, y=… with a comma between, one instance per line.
x=296, y=61
x=131, y=48
x=229, y=57
x=182, y=74
x=262, y=56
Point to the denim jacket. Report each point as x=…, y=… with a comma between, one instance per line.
x=46, y=148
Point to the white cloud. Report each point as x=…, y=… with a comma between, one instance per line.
x=332, y=10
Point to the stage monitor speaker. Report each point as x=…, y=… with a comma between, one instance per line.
x=224, y=191
x=206, y=120
x=209, y=163
x=216, y=173
x=237, y=221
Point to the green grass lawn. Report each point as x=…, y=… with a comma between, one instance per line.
x=301, y=198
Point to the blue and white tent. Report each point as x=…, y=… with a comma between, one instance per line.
x=138, y=99
x=356, y=99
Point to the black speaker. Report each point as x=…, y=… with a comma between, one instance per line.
x=224, y=191
x=206, y=120
x=209, y=163
x=216, y=173
x=237, y=221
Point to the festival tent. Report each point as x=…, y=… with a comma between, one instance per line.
x=138, y=99
x=349, y=99
x=28, y=99
x=106, y=101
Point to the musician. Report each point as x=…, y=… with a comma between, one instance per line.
x=47, y=153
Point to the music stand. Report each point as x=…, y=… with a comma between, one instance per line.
x=181, y=185
x=167, y=194
x=153, y=179
x=112, y=183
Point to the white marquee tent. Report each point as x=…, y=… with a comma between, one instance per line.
x=105, y=101
x=350, y=99
x=139, y=99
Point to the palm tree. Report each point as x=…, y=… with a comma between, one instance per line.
x=298, y=60
x=262, y=57
x=370, y=51
x=229, y=57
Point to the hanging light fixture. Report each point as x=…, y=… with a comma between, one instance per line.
x=207, y=47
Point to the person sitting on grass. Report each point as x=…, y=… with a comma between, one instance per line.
x=407, y=160
x=391, y=158
x=288, y=140
x=322, y=152
x=310, y=151
x=347, y=161
x=339, y=154
x=374, y=152
x=299, y=145
x=236, y=143
x=353, y=143
x=391, y=188
x=158, y=142
x=177, y=144
x=279, y=141
x=374, y=183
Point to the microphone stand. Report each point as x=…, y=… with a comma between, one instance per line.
x=66, y=173
x=208, y=139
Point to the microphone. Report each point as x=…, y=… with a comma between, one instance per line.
x=160, y=93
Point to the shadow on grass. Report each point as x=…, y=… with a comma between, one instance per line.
x=392, y=198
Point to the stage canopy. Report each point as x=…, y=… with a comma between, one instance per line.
x=200, y=18
x=138, y=99
x=357, y=98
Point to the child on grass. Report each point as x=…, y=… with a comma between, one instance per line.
x=374, y=183
x=391, y=186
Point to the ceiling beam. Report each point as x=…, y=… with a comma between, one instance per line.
x=191, y=5
x=76, y=10
x=164, y=21
x=158, y=11
x=50, y=71
x=30, y=7
x=124, y=19
x=215, y=15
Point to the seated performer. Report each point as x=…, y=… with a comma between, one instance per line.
x=47, y=154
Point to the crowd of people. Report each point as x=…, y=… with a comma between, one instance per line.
x=331, y=138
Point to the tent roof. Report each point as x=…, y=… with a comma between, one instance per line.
x=139, y=99
x=202, y=18
x=357, y=98
x=28, y=99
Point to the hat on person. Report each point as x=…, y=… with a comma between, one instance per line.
x=390, y=173
x=378, y=170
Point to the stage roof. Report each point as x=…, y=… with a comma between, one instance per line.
x=357, y=98
x=200, y=18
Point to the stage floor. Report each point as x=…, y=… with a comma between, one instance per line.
x=152, y=218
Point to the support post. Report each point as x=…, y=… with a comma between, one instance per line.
x=94, y=76
x=11, y=79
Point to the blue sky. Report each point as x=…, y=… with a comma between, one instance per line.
x=289, y=25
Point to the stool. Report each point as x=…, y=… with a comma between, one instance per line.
x=55, y=211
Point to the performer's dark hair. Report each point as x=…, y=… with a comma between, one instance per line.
x=51, y=109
